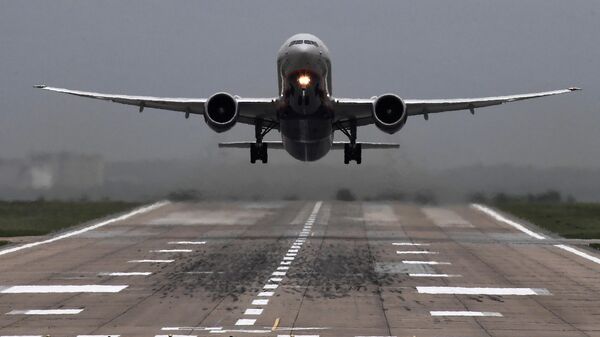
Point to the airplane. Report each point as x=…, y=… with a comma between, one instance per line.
x=305, y=111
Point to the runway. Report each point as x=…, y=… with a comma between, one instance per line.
x=301, y=268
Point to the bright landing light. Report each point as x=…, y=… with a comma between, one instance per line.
x=304, y=80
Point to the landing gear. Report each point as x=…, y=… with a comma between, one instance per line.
x=258, y=150
x=353, y=150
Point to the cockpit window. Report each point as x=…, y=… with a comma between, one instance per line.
x=295, y=42
x=303, y=42
x=311, y=42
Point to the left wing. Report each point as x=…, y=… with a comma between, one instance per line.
x=251, y=109
x=359, y=111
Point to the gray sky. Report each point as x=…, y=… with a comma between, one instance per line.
x=417, y=49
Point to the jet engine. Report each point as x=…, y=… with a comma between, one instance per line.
x=389, y=112
x=221, y=112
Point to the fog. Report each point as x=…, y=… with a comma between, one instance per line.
x=425, y=49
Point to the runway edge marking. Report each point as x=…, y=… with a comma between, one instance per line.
x=531, y=233
x=137, y=211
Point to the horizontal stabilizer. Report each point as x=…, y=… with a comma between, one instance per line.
x=277, y=145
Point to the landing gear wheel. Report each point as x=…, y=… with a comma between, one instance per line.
x=258, y=151
x=352, y=152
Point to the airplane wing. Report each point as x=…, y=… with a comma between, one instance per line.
x=250, y=108
x=278, y=145
x=359, y=111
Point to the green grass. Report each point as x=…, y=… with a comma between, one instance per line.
x=595, y=245
x=42, y=217
x=569, y=220
x=2, y=242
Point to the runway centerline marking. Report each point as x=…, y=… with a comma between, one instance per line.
x=482, y=291
x=172, y=251
x=140, y=273
x=415, y=252
x=58, y=289
x=424, y=262
x=434, y=275
x=409, y=244
x=465, y=313
x=499, y=217
x=253, y=311
x=260, y=302
x=245, y=321
x=45, y=312
x=187, y=242
x=86, y=229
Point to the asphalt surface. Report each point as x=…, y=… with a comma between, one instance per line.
x=302, y=268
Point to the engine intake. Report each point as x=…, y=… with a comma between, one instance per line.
x=221, y=112
x=389, y=112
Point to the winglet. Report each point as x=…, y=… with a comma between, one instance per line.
x=39, y=86
x=574, y=88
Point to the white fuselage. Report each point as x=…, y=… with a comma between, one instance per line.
x=305, y=119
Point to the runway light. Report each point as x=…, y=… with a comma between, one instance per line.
x=304, y=80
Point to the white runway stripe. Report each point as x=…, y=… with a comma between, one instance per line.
x=141, y=273
x=499, y=217
x=172, y=251
x=270, y=286
x=579, y=253
x=414, y=252
x=46, y=312
x=255, y=312
x=434, y=275
x=187, y=242
x=466, y=313
x=86, y=229
x=265, y=294
x=245, y=321
x=482, y=291
x=424, y=262
x=409, y=244
x=150, y=261
x=260, y=302
x=39, y=289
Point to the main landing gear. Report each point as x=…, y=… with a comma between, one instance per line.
x=258, y=150
x=353, y=150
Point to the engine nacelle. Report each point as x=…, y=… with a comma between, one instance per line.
x=389, y=112
x=221, y=112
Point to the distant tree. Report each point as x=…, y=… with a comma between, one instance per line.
x=184, y=195
x=344, y=194
x=425, y=198
x=500, y=198
x=478, y=197
x=550, y=196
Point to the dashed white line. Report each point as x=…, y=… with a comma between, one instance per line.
x=270, y=286
x=499, y=217
x=278, y=273
x=86, y=229
x=255, y=312
x=150, y=261
x=409, y=244
x=275, y=279
x=288, y=258
x=172, y=251
x=434, y=275
x=260, y=302
x=137, y=273
x=57, y=289
x=245, y=321
x=465, y=313
x=579, y=253
x=482, y=291
x=285, y=263
x=187, y=242
x=424, y=262
x=283, y=268
x=45, y=312
x=265, y=294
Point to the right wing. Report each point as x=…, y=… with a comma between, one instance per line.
x=359, y=111
x=251, y=109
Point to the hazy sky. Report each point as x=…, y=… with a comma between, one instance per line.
x=416, y=49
